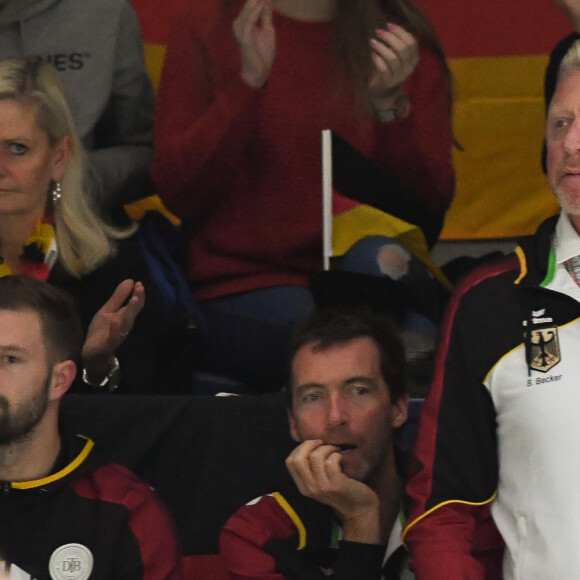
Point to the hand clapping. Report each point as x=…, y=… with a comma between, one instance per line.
x=256, y=38
x=395, y=54
x=571, y=9
x=111, y=325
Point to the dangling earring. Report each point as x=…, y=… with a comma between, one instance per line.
x=56, y=192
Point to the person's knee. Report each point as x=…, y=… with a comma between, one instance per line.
x=394, y=261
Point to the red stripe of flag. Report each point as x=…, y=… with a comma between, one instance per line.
x=472, y=28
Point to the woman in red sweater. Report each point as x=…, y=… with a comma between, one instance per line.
x=247, y=87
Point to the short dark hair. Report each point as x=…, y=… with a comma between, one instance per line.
x=330, y=327
x=60, y=321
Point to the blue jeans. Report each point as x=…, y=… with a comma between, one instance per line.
x=247, y=333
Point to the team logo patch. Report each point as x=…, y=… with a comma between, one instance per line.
x=71, y=562
x=544, y=348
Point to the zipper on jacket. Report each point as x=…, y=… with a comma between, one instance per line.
x=6, y=487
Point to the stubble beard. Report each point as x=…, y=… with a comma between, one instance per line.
x=361, y=473
x=372, y=466
x=569, y=202
x=19, y=424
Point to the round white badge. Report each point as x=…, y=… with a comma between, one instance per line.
x=71, y=562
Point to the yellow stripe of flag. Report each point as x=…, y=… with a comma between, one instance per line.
x=499, y=121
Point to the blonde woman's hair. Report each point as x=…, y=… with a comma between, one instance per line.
x=84, y=240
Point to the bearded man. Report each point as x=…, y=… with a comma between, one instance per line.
x=65, y=512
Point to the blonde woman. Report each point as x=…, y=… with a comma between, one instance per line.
x=49, y=231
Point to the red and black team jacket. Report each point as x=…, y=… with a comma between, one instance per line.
x=287, y=536
x=500, y=317
x=86, y=520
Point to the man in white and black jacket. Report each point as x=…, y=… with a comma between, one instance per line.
x=64, y=513
x=498, y=440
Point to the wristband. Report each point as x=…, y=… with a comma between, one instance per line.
x=111, y=380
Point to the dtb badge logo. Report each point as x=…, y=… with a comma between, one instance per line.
x=544, y=349
x=71, y=562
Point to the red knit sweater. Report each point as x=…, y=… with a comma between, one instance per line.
x=242, y=166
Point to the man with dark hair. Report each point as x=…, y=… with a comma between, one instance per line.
x=64, y=514
x=341, y=518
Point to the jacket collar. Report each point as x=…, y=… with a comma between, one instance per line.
x=534, y=254
x=72, y=458
x=314, y=521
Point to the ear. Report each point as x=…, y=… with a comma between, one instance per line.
x=293, y=427
x=399, y=410
x=63, y=374
x=61, y=155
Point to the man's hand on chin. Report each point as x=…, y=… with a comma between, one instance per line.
x=315, y=469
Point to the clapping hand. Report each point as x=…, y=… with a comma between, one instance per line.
x=110, y=327
x=571, y=9
x=395, y=54
x=256, y=38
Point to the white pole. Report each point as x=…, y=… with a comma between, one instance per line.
x=326, y=198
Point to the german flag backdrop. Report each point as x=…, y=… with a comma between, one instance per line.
x=497, y=51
